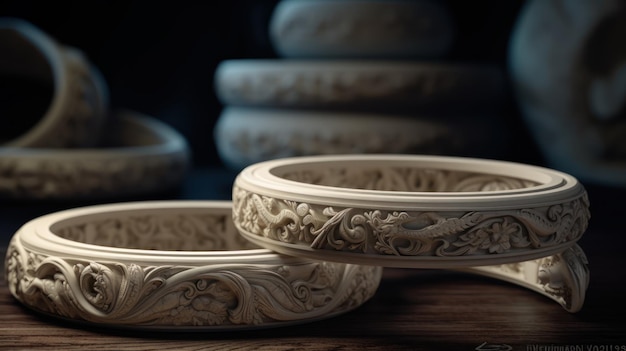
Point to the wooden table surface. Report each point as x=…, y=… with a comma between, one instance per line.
x=412, y=310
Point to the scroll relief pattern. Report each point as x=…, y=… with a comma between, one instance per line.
x=415, y=233
x=56, y=177
x=216, y=295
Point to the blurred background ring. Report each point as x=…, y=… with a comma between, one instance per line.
x=52, y=96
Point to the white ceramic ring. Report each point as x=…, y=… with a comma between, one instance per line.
x=142, y=155
x=358, y=84
x=408, y=210
x=247, y=135
x=386, y=29
x=176, y=265
x=79, y=103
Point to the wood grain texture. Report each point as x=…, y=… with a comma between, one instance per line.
x=412, y=310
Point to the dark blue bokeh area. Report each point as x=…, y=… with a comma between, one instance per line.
x=159, y=57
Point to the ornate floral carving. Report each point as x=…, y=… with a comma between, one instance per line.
x=221, y=295
x=365, y=29
x=414, y=233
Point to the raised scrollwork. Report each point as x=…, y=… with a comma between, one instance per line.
x=248, y=288
x=410, y=233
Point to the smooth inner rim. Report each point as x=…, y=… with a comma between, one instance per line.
x=39, y=235
x=265, y=178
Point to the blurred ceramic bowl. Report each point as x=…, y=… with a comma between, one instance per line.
x=141, y=155
x=386, y=29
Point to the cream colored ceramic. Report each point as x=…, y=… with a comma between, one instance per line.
x=386, y=29
x=79, y=95
x=244, y=136
x=511, y=221
x=176, y=265
x=142, y=155
x=362, y=85
x=569, y=77
x=409, y=210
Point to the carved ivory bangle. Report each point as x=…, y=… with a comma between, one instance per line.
x=79, y=102
x=143, y=155
x=409, y=211
x=172, y=264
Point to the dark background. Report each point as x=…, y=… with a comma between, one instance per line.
x=159, y=57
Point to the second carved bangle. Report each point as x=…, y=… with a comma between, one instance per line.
x=142, y=155
x=409, y=211
x=174, y=265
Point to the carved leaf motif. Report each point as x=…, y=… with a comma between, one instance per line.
x=210, y=295
x=345, y=229
x=425, y=233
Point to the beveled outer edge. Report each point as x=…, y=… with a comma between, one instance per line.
x=173, y=290
x=410, y=229
x=155, y=157
x=80, y=102
x=554, y=186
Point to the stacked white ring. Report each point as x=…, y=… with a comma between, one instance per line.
x=409, y=211
x=514, y=222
